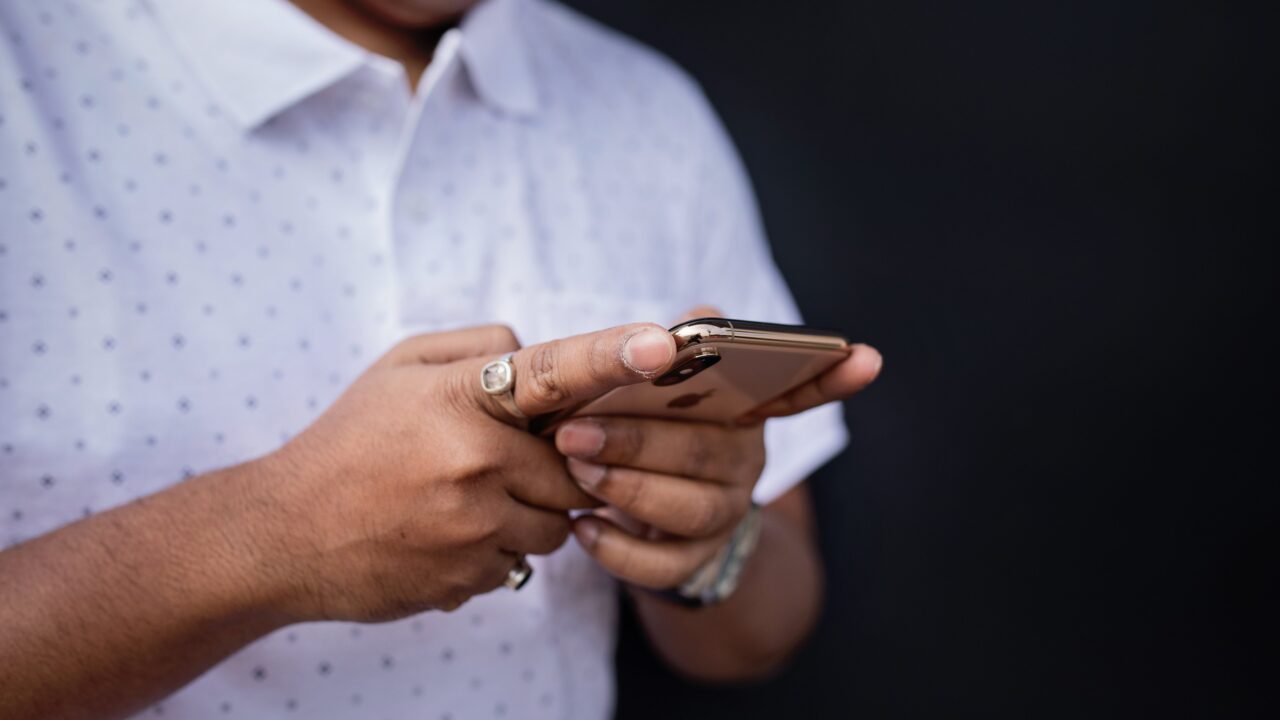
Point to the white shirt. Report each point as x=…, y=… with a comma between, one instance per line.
x=215, y=215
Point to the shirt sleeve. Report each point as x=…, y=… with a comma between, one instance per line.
x=735, y=271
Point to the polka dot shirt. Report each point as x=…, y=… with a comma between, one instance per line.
x=214, y=216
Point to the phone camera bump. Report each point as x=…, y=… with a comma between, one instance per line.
x=689, y=367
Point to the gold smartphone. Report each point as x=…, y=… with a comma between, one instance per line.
x=723, y=370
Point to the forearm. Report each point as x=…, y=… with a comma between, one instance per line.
x=774, y=608
x=108, y=614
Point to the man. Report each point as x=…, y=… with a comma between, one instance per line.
x=217, y=219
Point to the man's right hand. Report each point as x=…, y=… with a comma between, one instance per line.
x=416, y=490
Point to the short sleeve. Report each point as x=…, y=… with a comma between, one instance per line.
x=735, y=272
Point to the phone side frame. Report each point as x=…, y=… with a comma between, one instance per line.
x=707, y=330
x=750, y=332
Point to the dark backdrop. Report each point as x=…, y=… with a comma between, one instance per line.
x=1050, y=218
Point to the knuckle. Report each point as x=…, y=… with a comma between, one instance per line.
x=556, y=534
x=443, y=509
x=671, y=574
x=451, y=503
x=566, y=530
x=624, y=564
x=408, y=344
x=701, y=457
x=706, y=516
x=458, y=392
x=624, y=440
x=545, y=384
x=486, y=528
x=749, y=459
x=604, y=353
x=618, y=488
x=493, y=577
x=464, y=582
x=400, y=349
x=472, y=463
x=481, y=576
x=451, y=604
x=503, y=336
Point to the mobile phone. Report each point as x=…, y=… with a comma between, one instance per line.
x=723, y=370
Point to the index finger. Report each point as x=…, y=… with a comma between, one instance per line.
x=562, y=373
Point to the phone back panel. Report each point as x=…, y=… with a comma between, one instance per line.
x=747, y=376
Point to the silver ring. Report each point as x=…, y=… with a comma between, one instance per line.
x=518, y=575
x=498, y=378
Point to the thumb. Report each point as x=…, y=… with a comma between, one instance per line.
x=563, y=373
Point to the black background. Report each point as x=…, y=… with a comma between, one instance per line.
x=1052, y=219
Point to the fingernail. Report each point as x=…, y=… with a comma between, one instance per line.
x=587, y=474
x=581, y=438
x=879, y=363
x=588, y=532
x=648, y=351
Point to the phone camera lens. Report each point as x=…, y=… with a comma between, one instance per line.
x=689, y=367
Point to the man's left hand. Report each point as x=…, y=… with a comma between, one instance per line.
x=689, y=482
x=676, y=489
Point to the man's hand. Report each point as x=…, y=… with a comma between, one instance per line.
x=690, y=483
x=417, y=490
x=675, y=492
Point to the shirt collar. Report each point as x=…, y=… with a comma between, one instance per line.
x=259, y=57
x=496, y=54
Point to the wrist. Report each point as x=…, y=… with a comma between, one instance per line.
x=247, y=531
x=717, y=579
